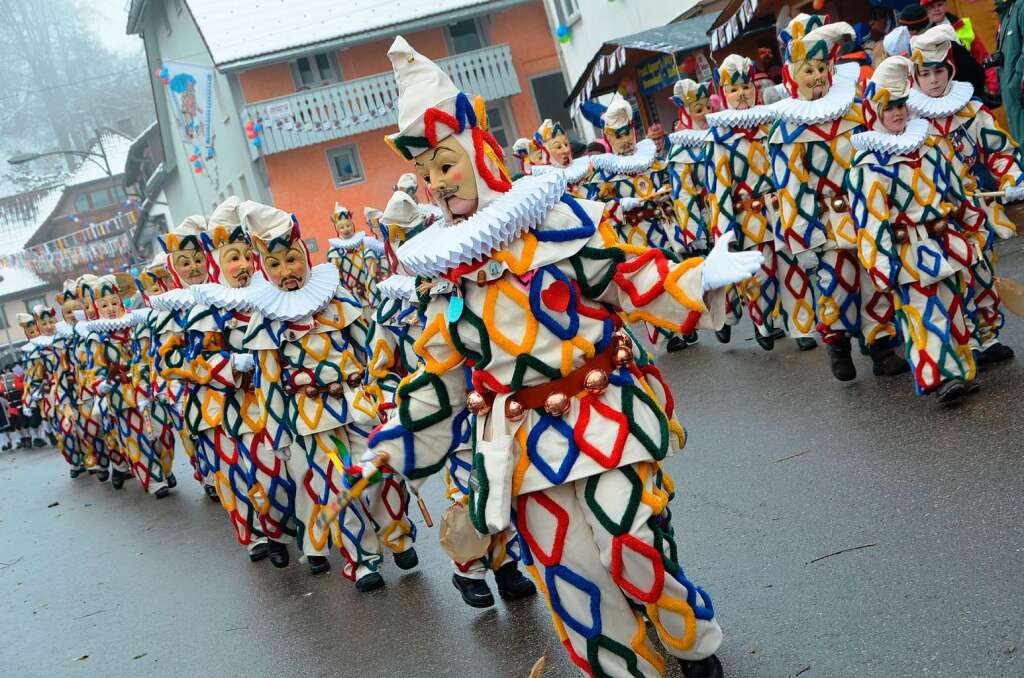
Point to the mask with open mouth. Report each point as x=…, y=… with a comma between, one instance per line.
x=811, y=44
x=276, y=237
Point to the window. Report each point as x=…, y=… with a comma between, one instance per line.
x=346, y=168
x=100, y=198
x=312, y=246
x=500, y=124
x=82, y=203
x=567, y=11
x=465, y=36
x=315, y=70
x=33, y=302
x=549, y=95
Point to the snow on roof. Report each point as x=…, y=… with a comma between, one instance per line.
x=235, y=30
x=15, y=280
x=18, y=225
x=116, y=146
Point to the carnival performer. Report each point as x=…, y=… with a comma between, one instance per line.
x=64, y=380
x=568, y=428
x=46, y=321
x=557, y=153
x=186, y=263
x=357, y=256
x=168, y=434
x=220, y=379
x=687, y=166
x=811, y=154
x=909, y=237
x=407, y=183
x=742, y=201
x=311, y=326
x=127, y=399
x=34, y=379
x=969, y=137
x=91, y=433
x=395, y=329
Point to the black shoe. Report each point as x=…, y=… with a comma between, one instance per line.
x=259, y=552
x=475, y=592
x=691, y=338
x=724, y=335
x=512, y=584
x=675, y=343
x=171, y=480
x=806, y=343
x=840, y=360
x=102, y=476
x=318, y=564
x=38, y=442
x=369, y=582
x=407, y=559
x=765, y=342
x=211, y=493
x=117, y=480
x=885, y=362
x=278, y=553
x=996, y=353
x=52, y=438
x=75, y=472
x=162, y=492
x=709, y=667
x=951, y=390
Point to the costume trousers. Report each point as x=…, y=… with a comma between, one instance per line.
x=166, y=434
x=848, y=302
x=90, y=433
x=504, y=546
x=68, y=442
x=136, y=440
x=760, y=292
x=597, y=549
x=936, y=332
x=985, y=306
x=796, y=295
x=224, y=460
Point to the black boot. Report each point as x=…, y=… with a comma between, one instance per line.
x=840, y=360
x=162, y=492
x=475, y=592
x=996, y=353
x=211, y=493
x=406, y=560
x=724, y=335
x=278, y=553
x=370, y=582
x=512, y=585
x=709, y=667
x=675, y=343
x=767, y=342
x=171, y=480
x=53, y=439
x=102, y=475
x=885, y=362
x=806, y=343
x=38, y=442
x=259, y=552
x=117, y=479
x=318, y=564
x=75, y=472
x=951, y=390
x=691, y=338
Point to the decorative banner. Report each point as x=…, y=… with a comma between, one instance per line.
x=657, y=73
x=190, y=87
x=730, y=30
x=75, y=250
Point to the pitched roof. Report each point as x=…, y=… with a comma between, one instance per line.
x=238, y=31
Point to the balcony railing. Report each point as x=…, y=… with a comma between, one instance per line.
x=357, y=106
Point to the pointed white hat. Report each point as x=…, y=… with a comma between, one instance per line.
x=934, y=45
x=618, y=115
x=422, y=84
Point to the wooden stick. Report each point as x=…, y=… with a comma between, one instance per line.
x=332, y=509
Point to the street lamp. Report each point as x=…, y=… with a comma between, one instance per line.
x=22, y=158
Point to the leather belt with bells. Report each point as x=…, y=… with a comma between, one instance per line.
x=757, y=204
x=335, y=389
x=556, y=396
x=936, y=228
x=837, y=203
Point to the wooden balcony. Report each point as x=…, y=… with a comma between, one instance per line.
x=357, y=106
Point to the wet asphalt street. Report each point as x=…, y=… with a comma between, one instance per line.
x=783, y=466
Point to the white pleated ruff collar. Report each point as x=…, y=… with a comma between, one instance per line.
x=689, y=138
x=401, y=287
x=113, y=324
x=173, y=300
x=63, y=329
x=282, y=305
x=741, y=117
x=641, y=160
x=352, y=243
x=960, y=94
x=231, y=298
x=576, y=170
x=833, y=105
x=893, y=144
x=442, y=246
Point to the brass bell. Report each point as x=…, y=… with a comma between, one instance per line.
x=757, y=204
x=623, y=356
x=311, y=391
x=901, y=234
x=354, y=379
x=839, y=204
x=477, y=403
x=596, y=381
x=775, y=202
x=556, y=404
x=336, y=390
x=940, y=228
x=620, y=338
x=514, y=411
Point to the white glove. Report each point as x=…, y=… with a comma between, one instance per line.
x=105, y=387
x=242, y=362
x=27, y=411
x=628, y=204
x=368, y=457
x=142, y=403
x=722, y=267
x=1013, y=193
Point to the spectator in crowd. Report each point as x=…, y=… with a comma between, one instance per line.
x=937, y=14
x=1011, y=72
x=768, y=64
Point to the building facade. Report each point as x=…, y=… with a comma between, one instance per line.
x=301, y=114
